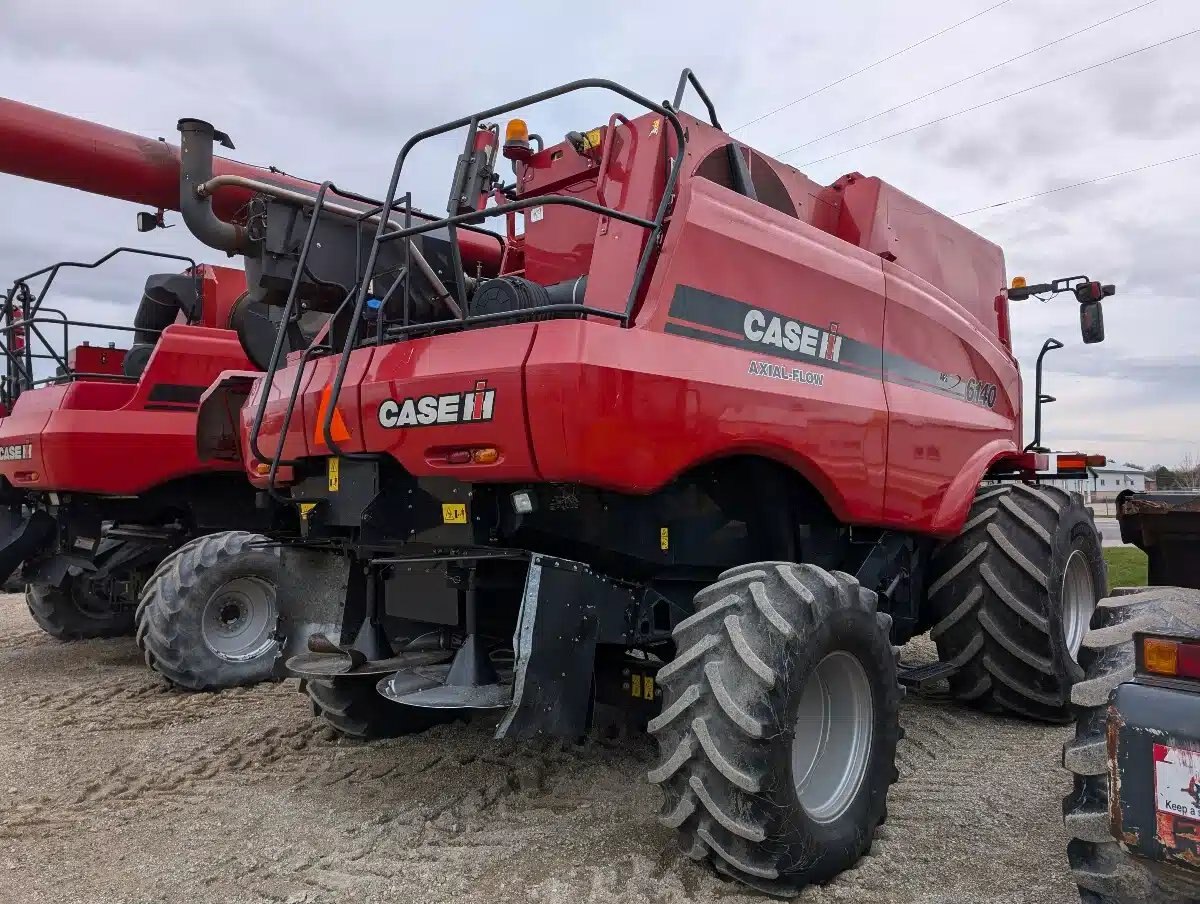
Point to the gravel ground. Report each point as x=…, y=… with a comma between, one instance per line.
x=116, y=789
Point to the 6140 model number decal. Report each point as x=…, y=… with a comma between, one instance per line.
x=450, y=408
x=981, y=393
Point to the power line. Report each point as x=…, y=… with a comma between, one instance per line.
x=973, y=75
x=878, y=62
x=988, y=103
x=1051, y=191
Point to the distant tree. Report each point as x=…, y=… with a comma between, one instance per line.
x=1187, y=475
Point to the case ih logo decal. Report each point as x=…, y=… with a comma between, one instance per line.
x=708, y=317
x=793, y=335
x=16, y=452
x=454, y=408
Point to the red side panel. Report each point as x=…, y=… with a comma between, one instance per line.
x=952, y=391
x=631, y=409
x=466, y=391
x=80, y=439
x=220, y=287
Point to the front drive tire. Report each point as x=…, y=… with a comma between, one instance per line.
x=74, y=612
x=208, y=614
x=1012, y=597
x=780, y=719
x=1104, y=871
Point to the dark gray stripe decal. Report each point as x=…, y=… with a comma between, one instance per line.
x=707, y=309
x=176, y=393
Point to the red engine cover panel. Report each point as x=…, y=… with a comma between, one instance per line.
x=120, y=438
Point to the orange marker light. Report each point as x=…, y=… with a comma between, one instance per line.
x=262, y=469
x=1160, y=656
x=486, y=456
x=1072, y=462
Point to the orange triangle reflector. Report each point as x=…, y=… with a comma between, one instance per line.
x=337, y=427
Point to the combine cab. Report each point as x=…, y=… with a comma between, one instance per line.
x=695, y=449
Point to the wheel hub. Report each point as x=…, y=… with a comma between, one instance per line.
x=831, y=747
x=1078, y=600
x=238, y=621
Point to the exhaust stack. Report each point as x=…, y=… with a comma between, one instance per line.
x=196, y=168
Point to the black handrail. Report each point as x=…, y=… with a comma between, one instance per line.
x=1041, y=398
x=19, y=368
x=654, y=226
x=688, y=76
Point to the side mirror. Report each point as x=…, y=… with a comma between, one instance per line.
x=148, y=222
x=1091, y=321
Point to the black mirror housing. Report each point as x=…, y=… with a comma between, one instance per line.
x=147, y=222
x=1091, y=321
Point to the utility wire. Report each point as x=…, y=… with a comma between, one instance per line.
x=973, y=75
x=878, y=62
x=1139, y=169
x=988, y=103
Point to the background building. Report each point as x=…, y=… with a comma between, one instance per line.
x=1103, y=484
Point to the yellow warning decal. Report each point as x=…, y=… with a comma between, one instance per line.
x=454, y=513
x=335, y=474
x=648, y=687
x=635, y=686
x=305, y=508
x=592, y=139
x=664, y=538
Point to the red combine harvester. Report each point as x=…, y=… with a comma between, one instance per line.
x=99, y=474
x=707, y=446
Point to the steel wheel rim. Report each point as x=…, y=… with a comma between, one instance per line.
x=238, y=621
x=835, y=723
x=1078, y=600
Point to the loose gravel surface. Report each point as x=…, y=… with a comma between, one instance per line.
x=116, y=789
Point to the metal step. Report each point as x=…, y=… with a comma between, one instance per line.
x=335, y=665
x=426, y=687
x=922, y=677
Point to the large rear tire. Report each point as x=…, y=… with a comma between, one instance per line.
x=208, y=615
x=74, y=612
x=353, y=708
x=1012, y=596
x=779, y=725
x=1104, y=871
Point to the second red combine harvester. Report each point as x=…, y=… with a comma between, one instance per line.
x=104, y=501
x=711, y=442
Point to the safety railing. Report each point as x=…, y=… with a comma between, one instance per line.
x=384, y=235
x=382, y=214
x=23, y=314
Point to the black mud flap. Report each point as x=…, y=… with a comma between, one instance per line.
x=555, y=642
x=24, y=537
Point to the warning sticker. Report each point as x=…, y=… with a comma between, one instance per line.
x=1177, y=781
x=454, y=513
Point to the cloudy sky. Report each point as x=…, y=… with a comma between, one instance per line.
x=332, y=91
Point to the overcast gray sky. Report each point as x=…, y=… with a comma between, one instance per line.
x=332, y=91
